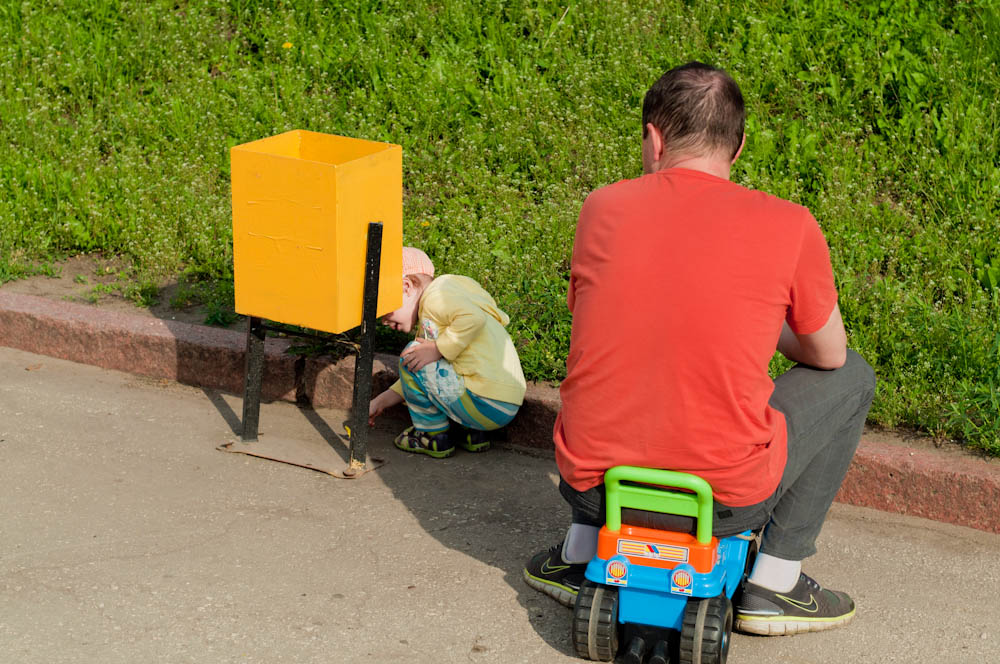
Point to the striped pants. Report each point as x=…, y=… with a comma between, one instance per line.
x=436, y=394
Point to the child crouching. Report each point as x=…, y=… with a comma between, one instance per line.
x=462, y=367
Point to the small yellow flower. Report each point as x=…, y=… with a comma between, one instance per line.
x=286, y=45
x=425, y=224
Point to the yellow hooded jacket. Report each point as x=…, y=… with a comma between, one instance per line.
x=468, y=327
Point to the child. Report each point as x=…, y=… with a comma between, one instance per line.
x=462, y=366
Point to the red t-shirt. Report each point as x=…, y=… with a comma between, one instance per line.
x=679, y=286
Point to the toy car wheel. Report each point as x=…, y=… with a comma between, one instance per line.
x=708, y=624
x=595, y=622
x=752, y=552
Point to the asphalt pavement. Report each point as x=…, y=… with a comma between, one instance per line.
x=126, y=536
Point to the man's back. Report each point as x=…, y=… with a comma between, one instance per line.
x=701, y=272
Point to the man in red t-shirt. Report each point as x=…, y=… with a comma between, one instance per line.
x=683, y=285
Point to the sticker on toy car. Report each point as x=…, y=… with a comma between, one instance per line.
x=678, y=554
x=616, y=573
x=680, y=582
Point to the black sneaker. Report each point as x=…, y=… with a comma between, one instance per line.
x=805, y=608
x=546, y=572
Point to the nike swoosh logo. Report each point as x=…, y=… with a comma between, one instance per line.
x=548, y=569
x=812, y=606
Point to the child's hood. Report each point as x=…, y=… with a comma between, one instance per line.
x=449, y=286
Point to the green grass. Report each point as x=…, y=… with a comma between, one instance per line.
x=882, y=117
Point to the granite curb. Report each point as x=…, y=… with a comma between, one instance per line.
x=953, y=488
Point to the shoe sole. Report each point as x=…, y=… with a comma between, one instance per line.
x=783, y=626
x=430, y=453
x=560, y=593
x=475, y=449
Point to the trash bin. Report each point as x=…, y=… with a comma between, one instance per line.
x=302, y=202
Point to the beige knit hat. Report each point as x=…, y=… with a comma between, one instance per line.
x=416, y=262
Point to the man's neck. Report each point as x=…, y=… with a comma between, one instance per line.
x=716, y=166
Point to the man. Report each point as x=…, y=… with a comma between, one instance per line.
x=682, y=286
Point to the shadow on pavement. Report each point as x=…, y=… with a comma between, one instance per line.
x=499, y=507
x=228, y=414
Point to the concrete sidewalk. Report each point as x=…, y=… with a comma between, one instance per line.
x=127, y=537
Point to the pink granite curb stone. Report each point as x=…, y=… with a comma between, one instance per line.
x=959, y=489
x=196, y=355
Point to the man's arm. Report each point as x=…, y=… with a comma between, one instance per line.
x=826, y=348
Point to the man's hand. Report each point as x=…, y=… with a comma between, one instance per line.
x=416, y=358
x=378, y=405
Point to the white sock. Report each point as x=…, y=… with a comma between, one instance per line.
x=580, y=544
x=775, y=574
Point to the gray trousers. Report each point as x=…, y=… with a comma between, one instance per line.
x=825, y=414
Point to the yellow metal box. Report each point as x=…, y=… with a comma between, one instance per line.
x=302, y=202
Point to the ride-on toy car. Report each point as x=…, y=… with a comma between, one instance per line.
x=645, y=585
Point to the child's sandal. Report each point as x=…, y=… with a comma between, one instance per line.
x=434, y=445
x=474, y=441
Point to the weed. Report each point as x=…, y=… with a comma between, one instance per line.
x=219, y=314
x=99, y=291
x=215, y=292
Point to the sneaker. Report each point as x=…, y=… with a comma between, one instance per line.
x=805, y=608
x=435, y=445
x=546, y=572
x=473, y=440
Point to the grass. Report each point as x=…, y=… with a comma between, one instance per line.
x=882, y=117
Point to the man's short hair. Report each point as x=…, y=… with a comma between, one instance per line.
x=698, y=109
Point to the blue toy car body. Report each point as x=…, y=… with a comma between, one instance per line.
x=645, y=581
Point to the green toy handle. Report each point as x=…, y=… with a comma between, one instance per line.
x=696, y=504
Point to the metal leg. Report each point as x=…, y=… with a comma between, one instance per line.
x=253, y=378
x=366, y=353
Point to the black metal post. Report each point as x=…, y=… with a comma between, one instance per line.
x=366, y=350
x=253, y=378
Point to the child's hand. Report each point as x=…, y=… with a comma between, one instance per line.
x=378, y=405
x=374, y=410
x=416, y=358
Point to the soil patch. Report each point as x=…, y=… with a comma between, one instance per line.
x=94, y=280
x=922, y=441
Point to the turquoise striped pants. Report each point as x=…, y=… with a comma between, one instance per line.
x=436, y=394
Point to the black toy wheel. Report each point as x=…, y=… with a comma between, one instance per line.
x=752, y=551
x=708, y=624
x=595, y=622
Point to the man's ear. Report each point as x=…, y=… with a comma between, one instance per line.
x=736, y=156
x=656, y=139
